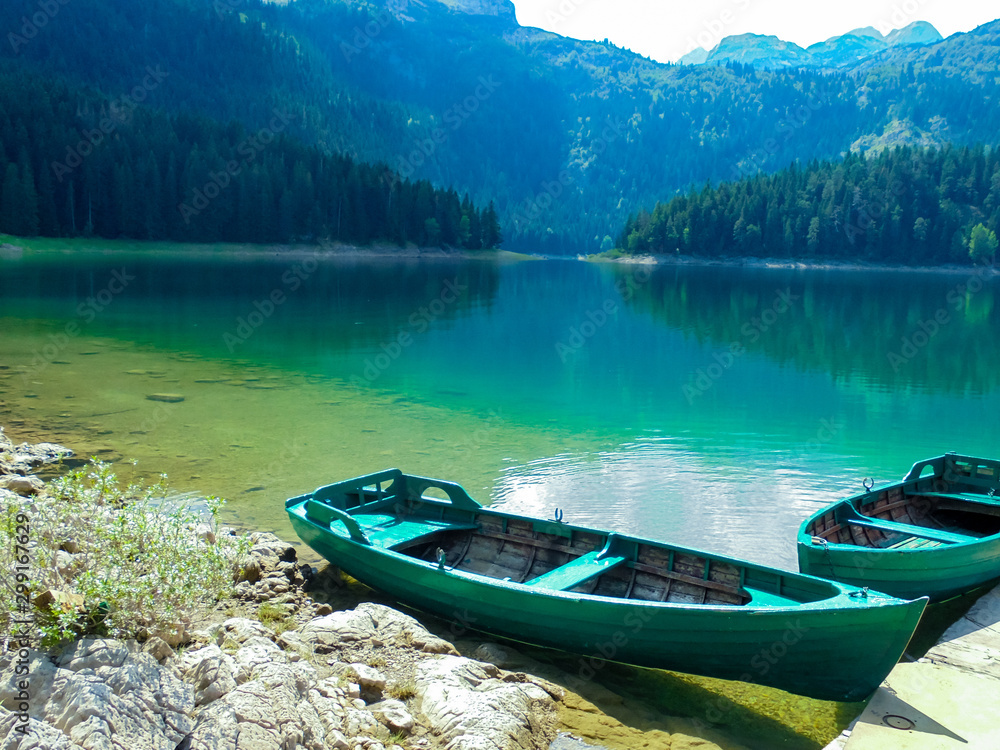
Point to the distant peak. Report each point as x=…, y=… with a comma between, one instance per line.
x=870, y=31
x=918, y=32
x=765, y=50
x=748, y=36
x=500, y=8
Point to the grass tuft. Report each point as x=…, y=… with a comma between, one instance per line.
x=275, y=617
x=397, y=738
x=402, y=690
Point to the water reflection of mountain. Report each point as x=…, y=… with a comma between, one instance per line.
x=899, y=330
x=279, y=307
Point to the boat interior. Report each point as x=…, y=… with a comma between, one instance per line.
x=919, y=516
x=583, y=562
x=437, y=522
x=551, y=556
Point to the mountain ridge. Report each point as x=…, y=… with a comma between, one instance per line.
x=768, y=51
x=498, y=8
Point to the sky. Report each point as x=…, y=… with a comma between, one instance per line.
x=667, y=29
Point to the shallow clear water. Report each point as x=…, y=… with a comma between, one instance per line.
x=714, y=407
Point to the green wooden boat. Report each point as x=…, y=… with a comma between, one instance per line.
x=934, y=534
x=606, y=596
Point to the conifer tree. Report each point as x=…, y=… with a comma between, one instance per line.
x=11, y=206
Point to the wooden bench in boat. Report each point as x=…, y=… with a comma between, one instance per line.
x=913, y=542
x=921, y=532
x=577, y=571
x=400, y=532
x=385, y=531
x=636, y=567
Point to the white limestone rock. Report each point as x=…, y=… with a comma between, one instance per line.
x=393, y=714
x=211, y=671
x=473, y=709
x=93, y=653
x=368, y=679
x=282, y=706
x=371, y=621
x=173, y=634
x=268, y=550
x=257, y=652
x=39, y=735
x=66, y=564
x=42, y=453
x=358, y=722
x=217, y=728
x=327, y=699
x=241, y=630
x=43, y=674
x=205, y=532
x=104, y=696
x=25, y=458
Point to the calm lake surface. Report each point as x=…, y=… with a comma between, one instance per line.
x=707, y=406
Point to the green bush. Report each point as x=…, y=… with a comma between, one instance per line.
x=138, y=568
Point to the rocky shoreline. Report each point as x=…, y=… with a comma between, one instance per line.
x=295, y=659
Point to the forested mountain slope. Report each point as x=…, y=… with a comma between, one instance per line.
x=74, y=162
x=567, y=137
x=908, y=205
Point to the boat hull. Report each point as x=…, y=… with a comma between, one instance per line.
x=839, y=654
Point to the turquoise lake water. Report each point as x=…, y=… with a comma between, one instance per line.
x=709, y=406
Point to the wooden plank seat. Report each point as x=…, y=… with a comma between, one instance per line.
x=575, y=572
x=379, y=530
x=909, y=530
x=912, y=542
x=399, y=532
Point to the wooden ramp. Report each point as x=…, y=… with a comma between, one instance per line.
x=946, y=700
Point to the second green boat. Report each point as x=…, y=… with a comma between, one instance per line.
x=936, y=533
x=605, y=596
